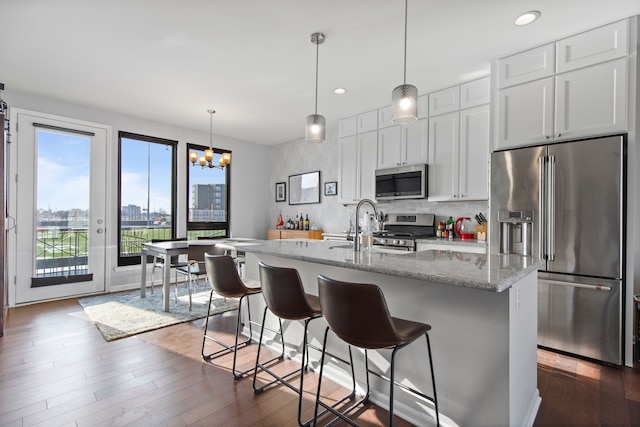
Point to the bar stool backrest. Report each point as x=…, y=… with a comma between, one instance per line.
x=284, y=293
x=223, y=276
x=357, y=313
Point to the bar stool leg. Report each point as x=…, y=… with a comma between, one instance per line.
x=351, y=395
x=226, y=348
x=433, y=381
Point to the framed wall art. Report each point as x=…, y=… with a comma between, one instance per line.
x=281, y=191
x=304, y=188
x=331, y=188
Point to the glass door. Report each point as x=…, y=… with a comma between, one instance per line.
x=60, y=204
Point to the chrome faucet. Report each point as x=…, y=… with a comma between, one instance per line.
x=356, y=240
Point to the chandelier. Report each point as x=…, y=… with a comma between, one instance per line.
x=207, y=159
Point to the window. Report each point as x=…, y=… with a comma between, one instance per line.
x=147, y=193
x=208, y=197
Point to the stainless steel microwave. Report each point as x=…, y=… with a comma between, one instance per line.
x=402, y=182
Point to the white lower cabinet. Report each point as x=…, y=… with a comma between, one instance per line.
x=358, y=161
x=459, y=155
x=585, y=102
x=403, y=144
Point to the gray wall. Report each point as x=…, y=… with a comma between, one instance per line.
x=298, y=156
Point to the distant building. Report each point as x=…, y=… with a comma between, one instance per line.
x=209, y=203
x=131, y=213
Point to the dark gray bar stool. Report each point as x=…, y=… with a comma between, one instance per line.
x=285, y=297
x=225, y=281
x=357, y=313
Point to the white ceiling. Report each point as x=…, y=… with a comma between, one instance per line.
x=253, y=61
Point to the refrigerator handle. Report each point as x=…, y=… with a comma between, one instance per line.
x=541, y=214
x=551, y=204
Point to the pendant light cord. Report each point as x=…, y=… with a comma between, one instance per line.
x=211, y=129
x=406, y=5
x=317, y=60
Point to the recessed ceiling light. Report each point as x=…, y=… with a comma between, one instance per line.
x=527, y=18
x=339, y=91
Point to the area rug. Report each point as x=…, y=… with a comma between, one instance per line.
x=123, y=314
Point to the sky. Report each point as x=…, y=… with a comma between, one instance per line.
x=63, y=171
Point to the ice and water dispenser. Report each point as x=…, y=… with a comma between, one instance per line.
x=516, y=232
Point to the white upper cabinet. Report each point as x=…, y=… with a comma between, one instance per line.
x=586, y=95
x=527, y=66
x=592, y=100
x=368, y=121
x=444, y=101
x=384, y=117
x=586, y=102
x=423, y=106
x=459, y=155
x=474, y=93
x=347, y=127
x=525, y=114
x=592, y=47
x=444, y=145
x=358, y=158
x=403, y=144
x=474, y=153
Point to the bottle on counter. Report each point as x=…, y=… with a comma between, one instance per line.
x=296, y=224
x=301, y=223
x=306, y=222
x=440, y=230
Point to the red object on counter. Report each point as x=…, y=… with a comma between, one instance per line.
x=464, y=228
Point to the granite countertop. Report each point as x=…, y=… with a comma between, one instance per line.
x=494, y=273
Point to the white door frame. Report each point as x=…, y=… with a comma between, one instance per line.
x=21, y=178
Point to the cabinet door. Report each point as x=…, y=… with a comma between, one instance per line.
x=415, y=144
x=527, y=66
x=443, y=156
x=474, y=93
x=474, y=153
x=347, y=127
x=592, y=100
x=444, y=101
x=368, y=154
x=368, y=121
x=423, y=106
x=384, y=117
x=525, y=114
x=349, y=169
x=389, y=143
x=593, y=47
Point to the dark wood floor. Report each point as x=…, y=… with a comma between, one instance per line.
x=56, y=370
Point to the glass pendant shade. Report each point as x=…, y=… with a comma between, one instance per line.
x=404, y=104
x=315, y=129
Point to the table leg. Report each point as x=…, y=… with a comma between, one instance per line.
x=143, y=275
x=166, y=282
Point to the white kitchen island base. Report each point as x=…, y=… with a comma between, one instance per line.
x=483, y=343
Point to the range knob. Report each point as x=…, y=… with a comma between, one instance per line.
x=399, y=242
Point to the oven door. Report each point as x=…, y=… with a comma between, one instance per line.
x=391, y=249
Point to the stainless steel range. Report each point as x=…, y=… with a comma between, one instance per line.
x=401, y=230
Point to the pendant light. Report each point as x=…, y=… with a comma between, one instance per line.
x=315, y=129
x=207, y=159
x=404, y=98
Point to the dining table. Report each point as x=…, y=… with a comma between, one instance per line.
x=166, y=249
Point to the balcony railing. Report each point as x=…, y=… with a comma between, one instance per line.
x=65, y=251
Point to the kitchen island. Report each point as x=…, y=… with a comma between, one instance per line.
x=483, y=311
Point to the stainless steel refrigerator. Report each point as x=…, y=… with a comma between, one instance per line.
x=565, y=203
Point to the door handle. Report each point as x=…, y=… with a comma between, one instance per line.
x=541, y=214
x=595, y=287
x=551, y=223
